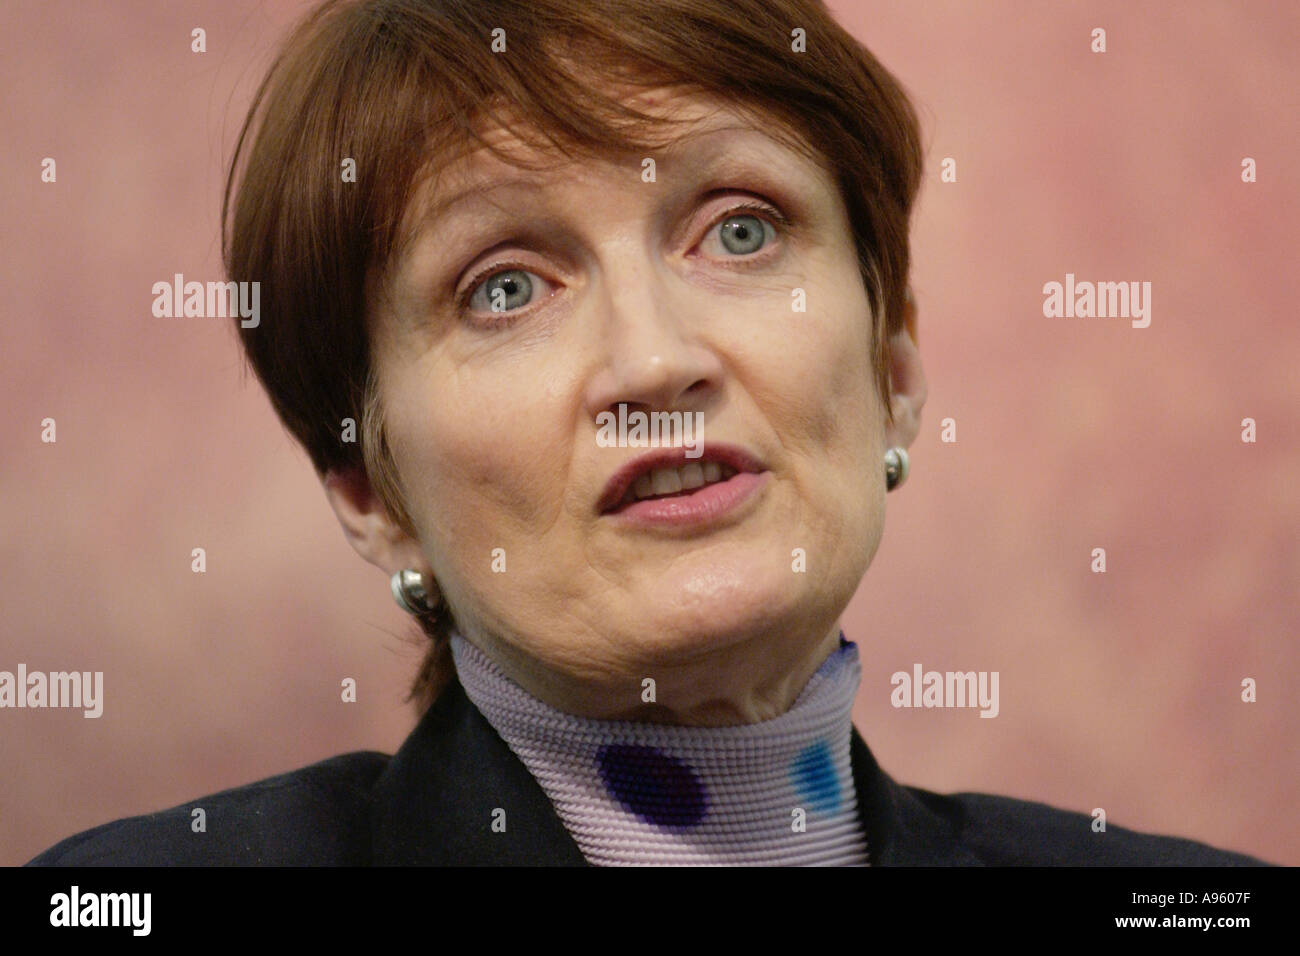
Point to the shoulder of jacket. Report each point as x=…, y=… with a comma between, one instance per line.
x=313, y=816
x=1004, y=831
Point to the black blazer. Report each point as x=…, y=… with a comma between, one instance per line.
x=432, y=803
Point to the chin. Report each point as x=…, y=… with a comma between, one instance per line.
x=695, y=609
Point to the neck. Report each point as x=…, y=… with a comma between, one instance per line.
x=740, y=683
x=778, y=790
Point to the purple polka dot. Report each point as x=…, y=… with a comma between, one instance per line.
x=656, y=786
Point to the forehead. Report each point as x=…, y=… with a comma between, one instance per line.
x=683, y=113
x=698, y=121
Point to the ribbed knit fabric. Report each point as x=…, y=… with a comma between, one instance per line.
x=778, y=792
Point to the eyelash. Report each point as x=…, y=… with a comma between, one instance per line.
x=776, y=219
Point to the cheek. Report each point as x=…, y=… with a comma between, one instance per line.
x=824, y=406
x=849, y=392
x=817, y=382
x=479, y=466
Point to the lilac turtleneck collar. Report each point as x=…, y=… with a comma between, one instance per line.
x=776, y=792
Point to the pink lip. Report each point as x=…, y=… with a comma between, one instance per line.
x=701, y=506
x=675, y=457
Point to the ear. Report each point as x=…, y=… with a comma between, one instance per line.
x=366, y=523
x=906, y=380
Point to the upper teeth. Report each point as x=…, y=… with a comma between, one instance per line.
x=669, y=481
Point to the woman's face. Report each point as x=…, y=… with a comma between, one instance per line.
x=664, y=296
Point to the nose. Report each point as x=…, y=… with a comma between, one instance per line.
x=653, y=352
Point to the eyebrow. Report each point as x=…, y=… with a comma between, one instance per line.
x=439, y=209
x=687, y=141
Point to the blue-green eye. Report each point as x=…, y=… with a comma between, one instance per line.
x=743, y=234
x=745, y=229
x=503, y=291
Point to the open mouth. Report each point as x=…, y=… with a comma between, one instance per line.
x=681, y=482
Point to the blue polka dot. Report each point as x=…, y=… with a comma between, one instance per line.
x=656, y=786
x=814, y=776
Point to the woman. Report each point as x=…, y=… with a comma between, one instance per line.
x=497, y=243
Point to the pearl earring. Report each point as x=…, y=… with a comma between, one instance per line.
x=411, y=593
x=896, y=467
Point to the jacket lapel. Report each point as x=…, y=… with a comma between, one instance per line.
x=435, y=803
x=904, y=826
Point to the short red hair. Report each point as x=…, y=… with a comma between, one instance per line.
x=400, y=85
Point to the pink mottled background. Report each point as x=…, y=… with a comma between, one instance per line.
x=1119, y=691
